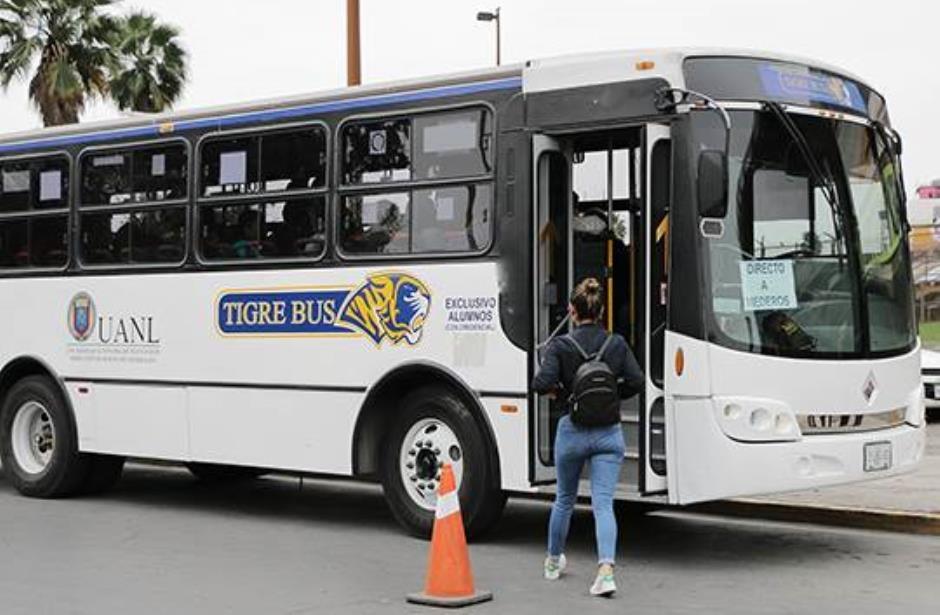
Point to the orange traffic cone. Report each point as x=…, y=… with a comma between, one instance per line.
x=450, y=579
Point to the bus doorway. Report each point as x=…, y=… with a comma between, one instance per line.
x=592, y=220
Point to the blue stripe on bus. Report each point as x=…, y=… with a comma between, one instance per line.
x=274, y=115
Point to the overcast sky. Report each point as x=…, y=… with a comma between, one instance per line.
x=249, y=49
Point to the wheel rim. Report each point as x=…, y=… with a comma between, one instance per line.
x=33, y=436
x=428, y=445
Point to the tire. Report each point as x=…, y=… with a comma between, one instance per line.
x=38, y=441
x=104, y=471
x=437, y=419
x=218, y=473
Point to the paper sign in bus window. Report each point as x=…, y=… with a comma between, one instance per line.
x=450, y=137
x=50, y=186
x=370, y=212
x=16, y=181
x=378, y=143
x=158, y=165
x=233, y=167
x=445, y=208
x=114, y=160
x=768, y=285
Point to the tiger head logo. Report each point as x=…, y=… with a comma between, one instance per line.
x=392, y=306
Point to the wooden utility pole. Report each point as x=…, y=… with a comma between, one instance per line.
x=353, y=67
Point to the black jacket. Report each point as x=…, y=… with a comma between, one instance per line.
x=562, y=360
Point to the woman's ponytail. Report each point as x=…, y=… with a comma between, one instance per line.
x=588, y=299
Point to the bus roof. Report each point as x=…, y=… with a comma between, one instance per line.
x=667, y=63
x=533, y=76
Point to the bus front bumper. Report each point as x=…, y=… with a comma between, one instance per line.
x=725, y=467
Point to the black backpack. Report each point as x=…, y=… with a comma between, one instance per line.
x=595, y=395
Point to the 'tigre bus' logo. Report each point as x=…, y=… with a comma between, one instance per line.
x=387, y=306
x=81, y=320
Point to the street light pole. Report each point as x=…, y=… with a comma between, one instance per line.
x=499, y=40
x=494, y=16
x=353, y=67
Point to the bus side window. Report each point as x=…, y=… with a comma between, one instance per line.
x=377, y=152
x=376, y=224
x=292, y=228
x=37, y=187
x=453, y=144
x=14, y=244
x=294, y=160
x=133, y=204
x=229, y=166
x=142, y=174
x=15, y=189
x=274, y=183
x=456, y=219
x=451, y=216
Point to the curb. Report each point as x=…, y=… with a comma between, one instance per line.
x=871, y=519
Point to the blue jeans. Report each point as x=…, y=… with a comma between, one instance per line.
x=603, y=447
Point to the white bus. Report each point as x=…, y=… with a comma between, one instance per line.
x=356, y=284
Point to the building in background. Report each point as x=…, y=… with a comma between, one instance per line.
x=924, y=215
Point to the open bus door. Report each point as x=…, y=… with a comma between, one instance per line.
x=622, y=177
x=658, y=181
x=552, y=275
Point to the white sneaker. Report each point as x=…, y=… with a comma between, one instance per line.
x=554, y=567
x=604, y=586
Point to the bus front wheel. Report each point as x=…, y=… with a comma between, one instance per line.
x=434, y=428
x=38, y=442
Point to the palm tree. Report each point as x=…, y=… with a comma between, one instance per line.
x=151, y=66
x=70, y=40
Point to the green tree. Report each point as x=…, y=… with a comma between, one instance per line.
x=70, y=39
x=150, y=68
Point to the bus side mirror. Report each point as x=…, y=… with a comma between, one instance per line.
x=712, y=184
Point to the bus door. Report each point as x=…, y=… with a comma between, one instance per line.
x=608, y=244
x=657, y=189
x=552, y=275
x=601, y=210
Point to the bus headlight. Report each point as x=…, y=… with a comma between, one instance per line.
x=751, y=419
x=761, y=419
x=916, y=408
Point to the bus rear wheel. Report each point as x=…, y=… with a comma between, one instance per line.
x=38, y=442
x=435, y=427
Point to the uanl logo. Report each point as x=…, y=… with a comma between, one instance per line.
x=86, y=324
x=81, y=316
x=387, y=306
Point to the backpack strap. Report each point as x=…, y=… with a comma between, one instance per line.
x=578, y=347
x=584, y=355
x=600, y=353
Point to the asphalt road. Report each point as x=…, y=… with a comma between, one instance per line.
x=162, y=543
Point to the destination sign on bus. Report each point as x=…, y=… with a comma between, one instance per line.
x=786, y=83
x=768, y=285
x=753, y=79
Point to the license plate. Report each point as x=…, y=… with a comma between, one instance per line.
x=877, y=456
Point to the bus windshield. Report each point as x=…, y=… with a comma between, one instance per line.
x=800, y=268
